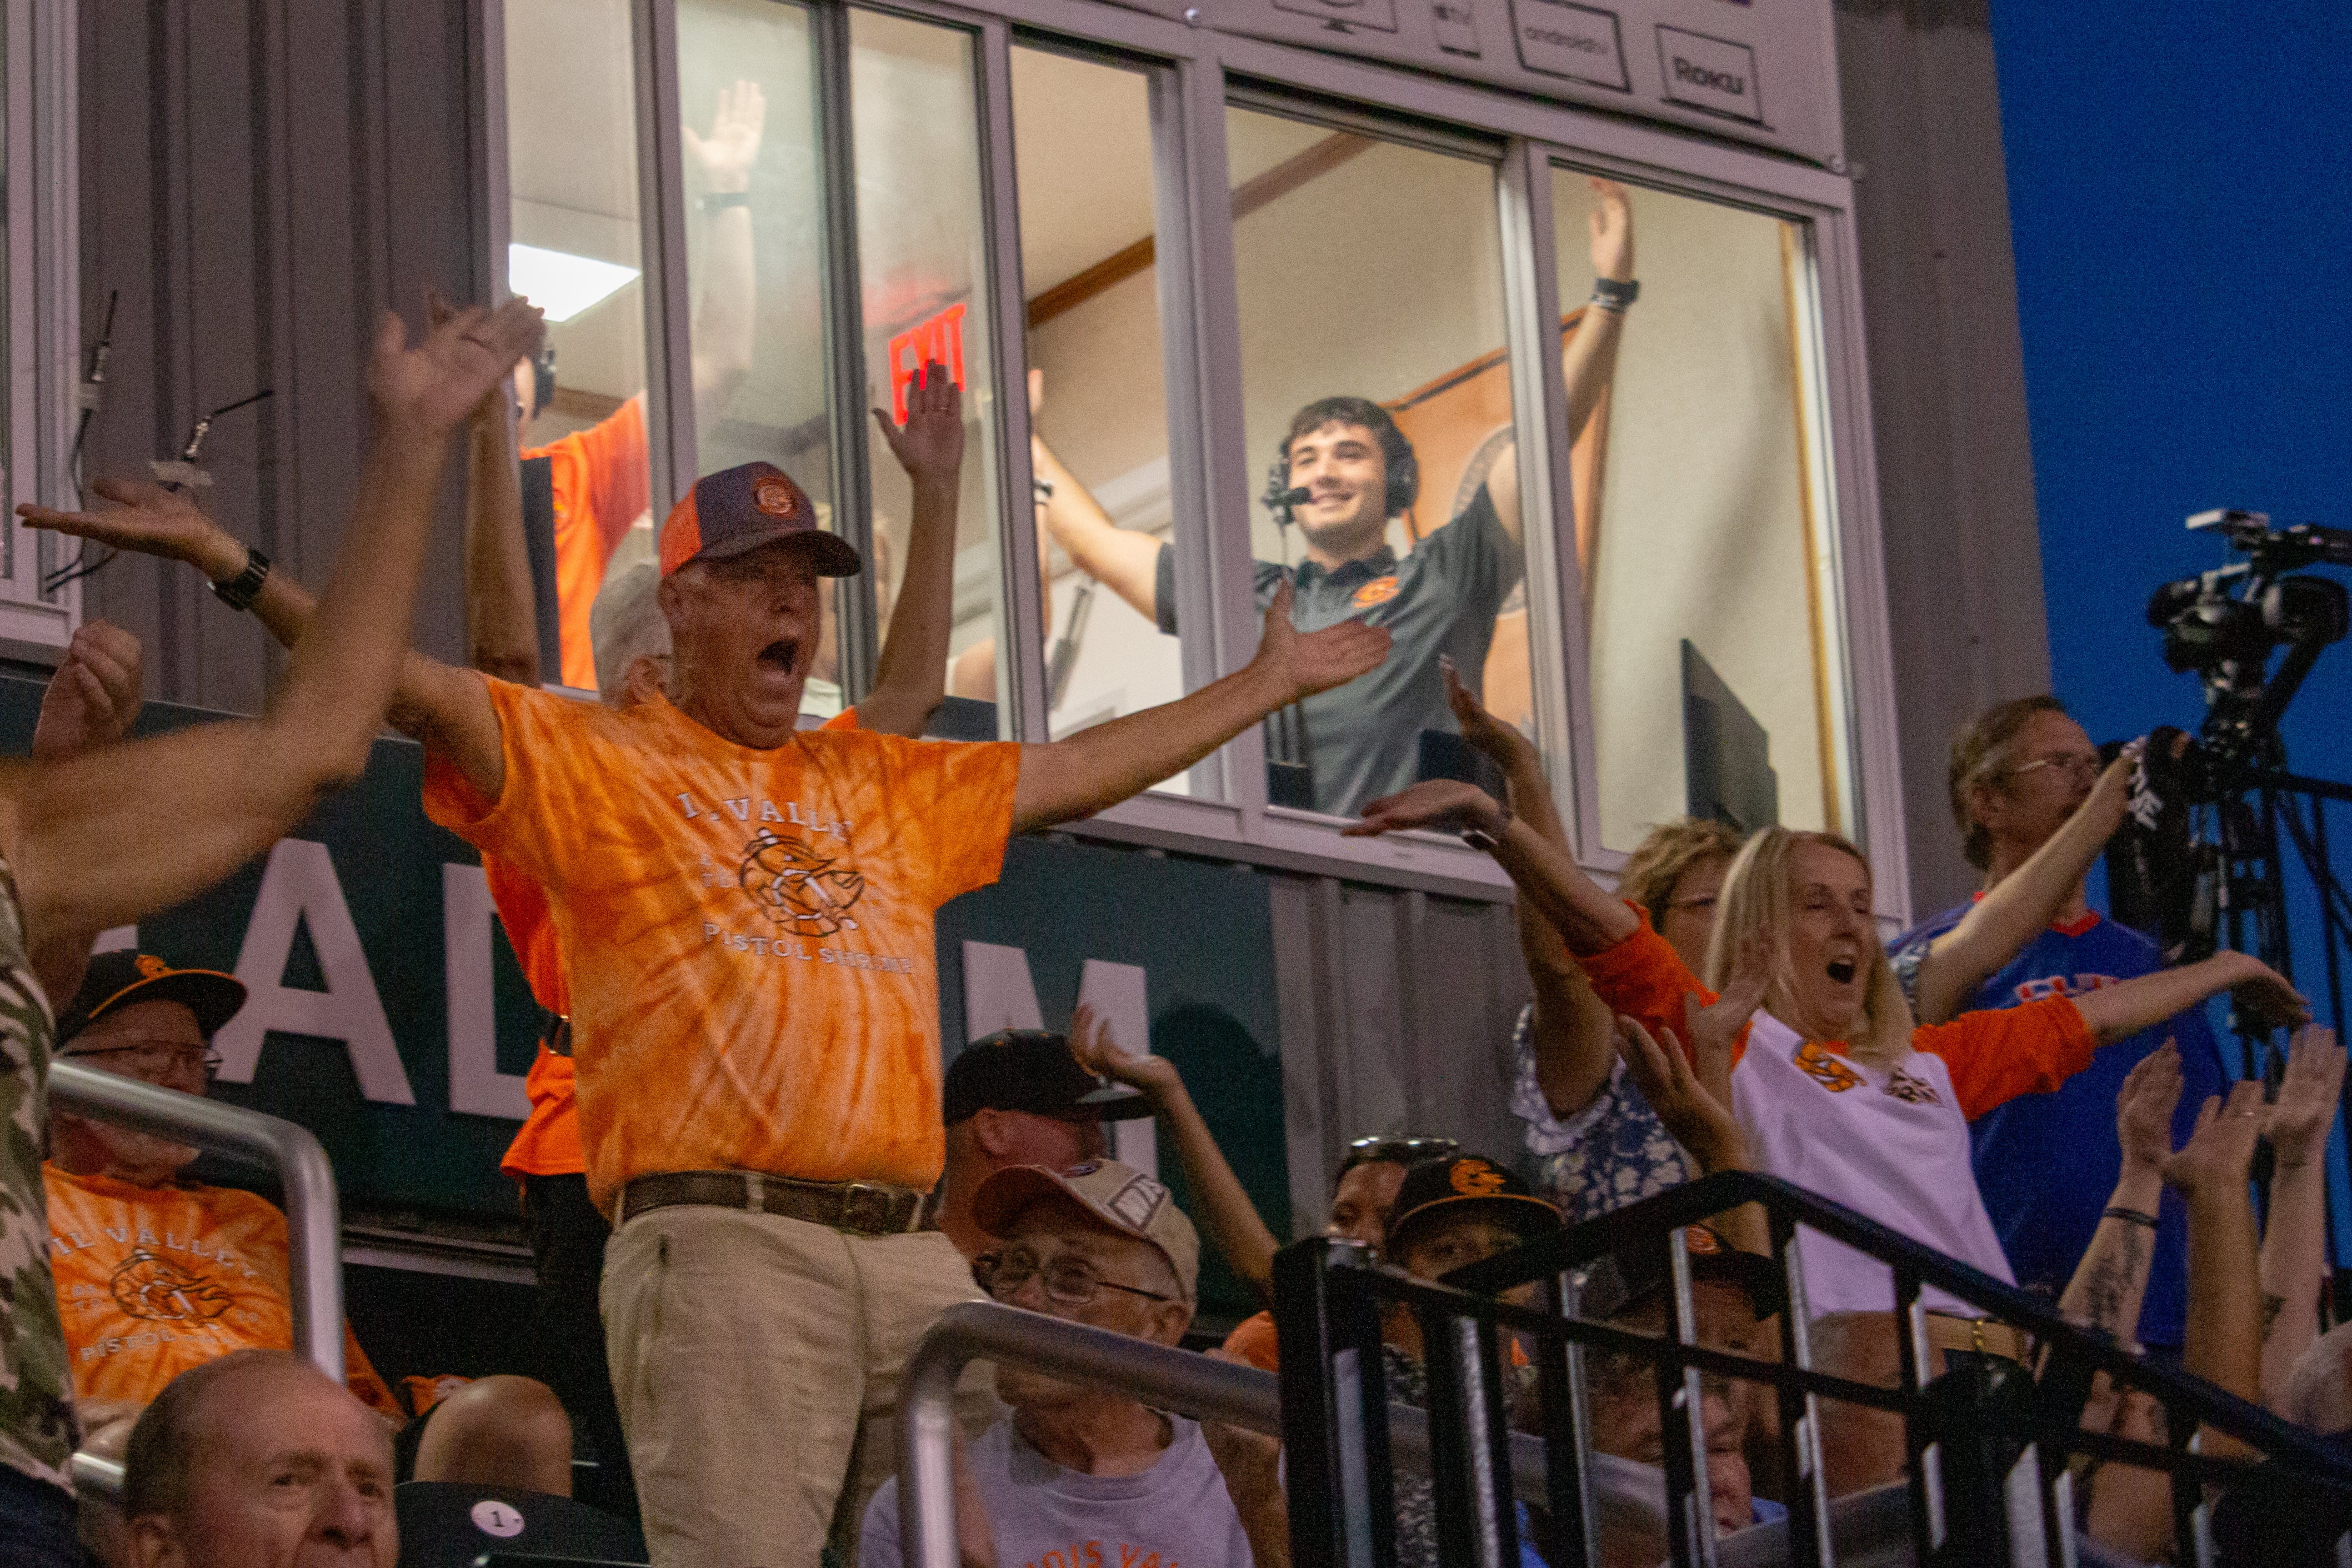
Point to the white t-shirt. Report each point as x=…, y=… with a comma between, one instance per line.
x=1175, y=1515
x=1888, y=1143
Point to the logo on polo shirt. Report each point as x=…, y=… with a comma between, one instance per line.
x=1824, y=1069
x=159, y=1290
x=1380, y=591
x=773, y=495
x=1912, y=1091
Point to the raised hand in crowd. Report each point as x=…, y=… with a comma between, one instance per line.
x=2020, y=906
x=89, y=849
x=91, y=701
x=2211, y=1171
x=726, y=156
x=2294, y=1264
x=723, y=319
x=908, y=681
x=501, y=624
x=1693, y=1098
x=1230, y=1218
x=1610, y=222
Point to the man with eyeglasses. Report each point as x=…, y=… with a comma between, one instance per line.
x=2034, y=804
x=154, y=1274
x=1078, y=1469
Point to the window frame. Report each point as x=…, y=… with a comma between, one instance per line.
x=1195, y=72
x=44, y=350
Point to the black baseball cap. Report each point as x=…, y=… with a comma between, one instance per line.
x=1467, y=1184
x=120, y=979
x=1631, y=1276
x=1033, y=1070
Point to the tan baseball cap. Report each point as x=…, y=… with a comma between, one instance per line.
x=1117, y=1197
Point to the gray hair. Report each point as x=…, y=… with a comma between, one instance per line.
x=626, y=624
x=2319, y=1390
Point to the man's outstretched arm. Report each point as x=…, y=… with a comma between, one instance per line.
x=113, y=835
x=911, y=676
x=1104, y=764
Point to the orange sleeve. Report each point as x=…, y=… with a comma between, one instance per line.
x=1254, y=1342
x=522, y=909
x=359, y=1377
x=1994, y=1057
x=1643, y=978
x=620, y=475
x=551, y=747
x=846, y=719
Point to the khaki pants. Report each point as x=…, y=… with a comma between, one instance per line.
x=757, y=1361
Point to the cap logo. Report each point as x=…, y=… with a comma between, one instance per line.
x=150, y=965
x=773, y=495
x=1699, y=1239
x=1474, y=1178
x=1136, y=1202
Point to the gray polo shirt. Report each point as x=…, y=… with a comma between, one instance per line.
x=1364, y=739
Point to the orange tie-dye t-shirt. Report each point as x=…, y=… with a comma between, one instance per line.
x=602, y=483
x=747, y=934
x=154, y=1281
x=548, y=1143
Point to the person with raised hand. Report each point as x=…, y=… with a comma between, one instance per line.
x=84, y=847
x=2294, y=1264
x=1836, y=1088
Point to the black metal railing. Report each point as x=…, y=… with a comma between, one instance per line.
x=1986, y=1447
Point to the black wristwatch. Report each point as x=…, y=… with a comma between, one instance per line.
x=1612, y=295
x=240, y=592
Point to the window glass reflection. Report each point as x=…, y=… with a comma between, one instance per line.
x=573, y=179
x=1089, y=262
x=1377, y=388
x=922, y=246
x=1715, y=669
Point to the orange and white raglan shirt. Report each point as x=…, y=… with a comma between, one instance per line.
x=154, y=1281
x=548, y=1143
x=1891, y=1143
x=747, y=934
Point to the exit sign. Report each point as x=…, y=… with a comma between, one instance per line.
x=937, y=339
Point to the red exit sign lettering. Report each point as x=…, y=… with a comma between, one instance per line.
x=939, y=339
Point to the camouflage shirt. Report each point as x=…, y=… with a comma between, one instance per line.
x=37, y=1422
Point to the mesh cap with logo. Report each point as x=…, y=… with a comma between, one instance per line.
x=118, y=979
x=1033, y=1070
x=1118, y=1196
x=1465, y=1183
x=736, y=510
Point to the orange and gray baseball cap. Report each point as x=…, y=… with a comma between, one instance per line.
x=1117, y=1197
x=738, y=509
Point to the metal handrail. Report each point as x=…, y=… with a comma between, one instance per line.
x=313, y=1215
x=1179, y=1380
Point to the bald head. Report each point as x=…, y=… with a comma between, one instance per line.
x=261, y=1461
x=501, y=1431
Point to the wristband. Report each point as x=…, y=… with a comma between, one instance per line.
x=2134, y=1216
x=1611, y=295
x=720, y=201
x=1480, y=838
x=240, y=592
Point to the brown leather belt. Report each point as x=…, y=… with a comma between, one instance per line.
x=1981, y=1335
x=861, y=1207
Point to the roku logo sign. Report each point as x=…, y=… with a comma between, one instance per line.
x=1711, y=80
x=939, y=339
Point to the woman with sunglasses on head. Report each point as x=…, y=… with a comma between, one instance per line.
x=1597, y=1144
x=1831, y=1083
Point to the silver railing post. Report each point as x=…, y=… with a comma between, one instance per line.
x=313, y=1217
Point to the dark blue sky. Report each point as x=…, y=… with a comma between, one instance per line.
x=2180, y=198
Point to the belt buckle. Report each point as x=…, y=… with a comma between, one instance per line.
x=866, y=1207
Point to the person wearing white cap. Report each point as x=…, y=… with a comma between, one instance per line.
x=1078, y=1469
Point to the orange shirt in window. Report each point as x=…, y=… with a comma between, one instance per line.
x=748, y=935
x=153, y=1281
x=549, y=1141
x=602, y=483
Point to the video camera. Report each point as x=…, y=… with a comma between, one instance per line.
x=2163, y=876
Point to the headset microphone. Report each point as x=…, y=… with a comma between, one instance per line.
x=1298, y=497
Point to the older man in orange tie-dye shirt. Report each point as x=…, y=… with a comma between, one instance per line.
x=746, y=916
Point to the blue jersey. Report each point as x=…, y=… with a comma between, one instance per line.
x=2046, y=1163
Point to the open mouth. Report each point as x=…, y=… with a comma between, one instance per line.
x=781, y=656
x=1842, y=970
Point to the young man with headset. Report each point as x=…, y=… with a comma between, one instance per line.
x=1343, y=471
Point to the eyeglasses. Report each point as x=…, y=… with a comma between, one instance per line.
x=1398, y=1151
x=2072, y=763
x=1067, y=1281
x=158, y=1058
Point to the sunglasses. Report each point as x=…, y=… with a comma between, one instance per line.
x=1398, y=1151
